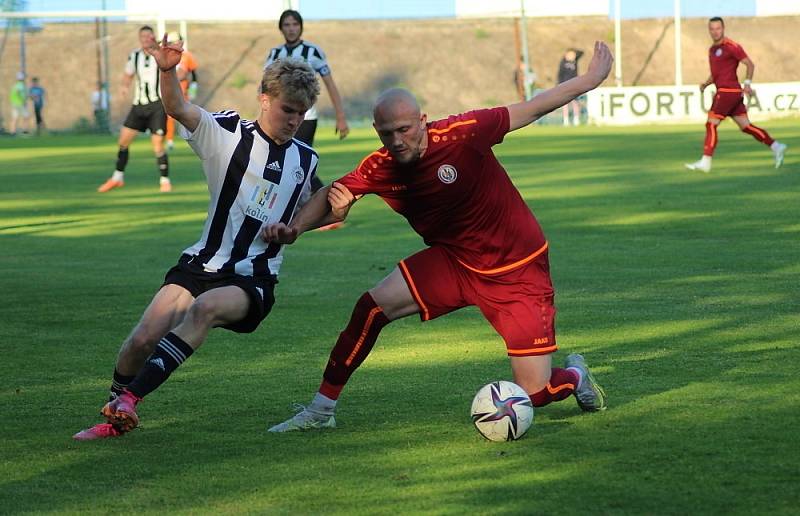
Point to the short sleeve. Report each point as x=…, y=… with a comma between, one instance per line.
x=211, y=134
x=129, y=68
x=319, y=62
x=738, y=52
x=491, y=125
x=369, y=176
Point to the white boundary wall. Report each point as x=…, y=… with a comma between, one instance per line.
x=674, y=104
x=533, y=8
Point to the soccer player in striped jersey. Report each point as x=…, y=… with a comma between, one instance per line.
x=257, y=174
x=724, y=57
x=290, y=23
x=147, y=113
x=485, y=247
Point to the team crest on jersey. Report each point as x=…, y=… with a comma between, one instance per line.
x=718, y=52
x=447, y=174
x=298, y=175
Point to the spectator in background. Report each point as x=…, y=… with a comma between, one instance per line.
x=568, y=69
x=100, y=107
x=187, y=78
x=18, y=96
x=36, y=94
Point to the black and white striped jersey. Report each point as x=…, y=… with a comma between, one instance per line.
x=144, y=69
x=252, y=181
x=311, y=54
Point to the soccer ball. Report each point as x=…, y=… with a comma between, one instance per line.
x=502, y=411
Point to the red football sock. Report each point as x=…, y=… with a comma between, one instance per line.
x=710, y=142
x=563, y=382
x=353, y=345
x=759, y=134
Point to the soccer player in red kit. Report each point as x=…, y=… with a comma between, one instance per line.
x=485, y=247
x=724, y=57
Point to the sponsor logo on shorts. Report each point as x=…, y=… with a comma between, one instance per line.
x=447, y=174
x=160, y=132
x=541, y=341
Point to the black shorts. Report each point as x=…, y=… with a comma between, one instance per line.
x=147, y=116
x=260, y=291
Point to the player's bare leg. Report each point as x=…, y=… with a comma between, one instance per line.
x=162, y=161
x=117, y=179
x=389, y=300
x=778, y=149
x=165, y=311
x=710, y=143
x=216, y=307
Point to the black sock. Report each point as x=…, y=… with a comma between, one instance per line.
x=119, y=383
x=122, y=159
x=163, y=165
x=171, y=352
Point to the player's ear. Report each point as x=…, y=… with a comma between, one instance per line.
x=264, y=100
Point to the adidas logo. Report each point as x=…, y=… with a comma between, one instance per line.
x=159, y=362
x=274, y=166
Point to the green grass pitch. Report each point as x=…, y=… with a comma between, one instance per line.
x=680, y=288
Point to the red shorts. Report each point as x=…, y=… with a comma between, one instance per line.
x=727, y=102
x=517, y=303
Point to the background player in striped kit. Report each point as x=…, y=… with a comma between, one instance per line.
x=147, y=113
x=724, y=57
x=290, y=24
x=256, y=173
x=485, y=247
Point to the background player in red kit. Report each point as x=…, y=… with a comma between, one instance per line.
x=485, y=246
x=724, y=57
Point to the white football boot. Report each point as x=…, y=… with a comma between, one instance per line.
x=704, y=165
x=778, y=149
x=305, y=419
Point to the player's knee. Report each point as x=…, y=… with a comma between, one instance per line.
x=203, y=312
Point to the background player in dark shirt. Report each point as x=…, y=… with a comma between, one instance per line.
x=724, y=57
x=568, y=69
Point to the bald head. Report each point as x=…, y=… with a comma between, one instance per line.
x=400, y=125
x=394, y=103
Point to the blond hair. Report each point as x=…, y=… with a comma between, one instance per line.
x=292, y=77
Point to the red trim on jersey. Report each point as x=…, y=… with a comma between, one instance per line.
x=510, y=266
x=730, y=90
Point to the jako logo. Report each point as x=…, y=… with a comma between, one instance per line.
x=447, y=174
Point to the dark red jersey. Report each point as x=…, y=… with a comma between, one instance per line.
x=457, y=195
x=724, y=60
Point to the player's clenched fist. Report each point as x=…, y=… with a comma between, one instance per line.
x=279, y=233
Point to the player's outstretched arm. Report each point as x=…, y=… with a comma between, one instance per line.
x=524, y=113
x=328, y=205
x=168, y=55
